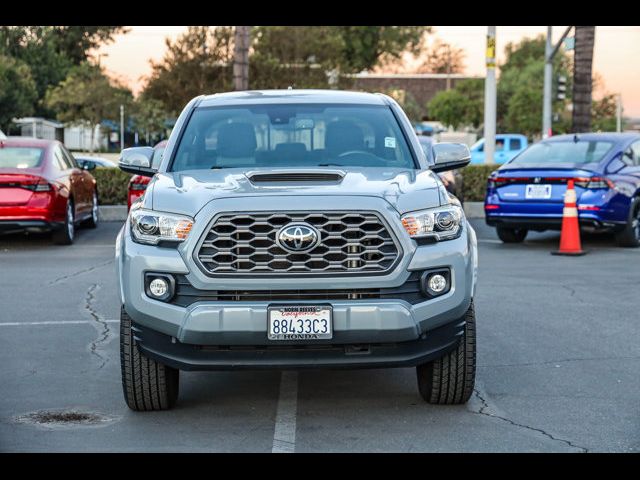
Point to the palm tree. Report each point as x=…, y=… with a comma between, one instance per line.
x=582, y=78
x=241, y=59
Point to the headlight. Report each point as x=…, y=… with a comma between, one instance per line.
x=441, y=223
x=154, y=227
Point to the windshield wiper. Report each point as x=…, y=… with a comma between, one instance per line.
x=330, y=165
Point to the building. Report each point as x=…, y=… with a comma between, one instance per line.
x=38, y=127
x=422, y=86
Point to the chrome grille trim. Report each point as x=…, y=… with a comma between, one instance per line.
x=244, y=243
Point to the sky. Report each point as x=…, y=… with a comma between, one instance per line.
x=616, y=54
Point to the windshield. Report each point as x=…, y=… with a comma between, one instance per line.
x=20, y=157
x=564, y=152
x=292, y=136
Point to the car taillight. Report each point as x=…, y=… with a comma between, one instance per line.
x=498, y=182
x=593, y=183
x=138, y=185
x=40, y=186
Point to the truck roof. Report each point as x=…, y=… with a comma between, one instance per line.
x=292, y=96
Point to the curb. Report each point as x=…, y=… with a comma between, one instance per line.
x=118, y=213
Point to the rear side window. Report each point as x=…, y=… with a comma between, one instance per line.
x=516, y=144
x=292, y=135
x=21, y=157
x=564, y=152
x=60, y=160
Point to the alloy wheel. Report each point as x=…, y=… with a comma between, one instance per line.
x=70, y=225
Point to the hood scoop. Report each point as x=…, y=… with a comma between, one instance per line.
x=296, y=176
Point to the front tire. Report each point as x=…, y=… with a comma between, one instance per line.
x=147, y=385
x=630, y=236
x=449, y=380
x=511, y=235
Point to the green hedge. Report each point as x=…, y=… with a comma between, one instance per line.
x=475, y=181
x=112, y=185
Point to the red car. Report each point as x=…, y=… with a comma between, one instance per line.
x=138, y=183
x=42, y=188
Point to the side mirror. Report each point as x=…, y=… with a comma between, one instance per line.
x=449, y=156
x=87, y=165
x=137, y=160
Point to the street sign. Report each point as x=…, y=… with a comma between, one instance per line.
x=569, y=43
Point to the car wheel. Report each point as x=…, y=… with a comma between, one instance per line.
x=66, y=234
x=511, y=235
x=147, y=385
x=450, y=379
x=630, y=236
x=92, y=222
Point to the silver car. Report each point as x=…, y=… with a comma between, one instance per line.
x=295, y=229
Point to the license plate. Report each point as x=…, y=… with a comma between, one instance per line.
x=307, y=322
x=538, y=191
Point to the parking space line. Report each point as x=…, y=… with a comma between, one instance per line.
x=284, y=435
x=52, y=322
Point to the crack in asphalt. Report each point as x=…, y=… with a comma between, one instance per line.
x=106, y=331
x=485, y=407
x=80, y=272
x=564, y=360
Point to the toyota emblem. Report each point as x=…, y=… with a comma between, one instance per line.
x=298, y=237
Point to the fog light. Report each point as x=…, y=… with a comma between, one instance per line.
x=437, y=283
x=159, y=287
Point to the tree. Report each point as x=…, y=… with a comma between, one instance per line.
x=604, y=114
x=463, y=105
x=50, y=52
x=17, y=90
x=198, y=62
x=363, y=46
x=87, y=96
x=582, y=78
x=443, y=58
x=149, y=118
x=521, y=81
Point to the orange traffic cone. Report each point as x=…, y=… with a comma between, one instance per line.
x=570, y=235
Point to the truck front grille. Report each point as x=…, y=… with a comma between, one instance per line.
x=245, y=243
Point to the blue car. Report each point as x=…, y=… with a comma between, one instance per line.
x=527, y=193
x=508, y=145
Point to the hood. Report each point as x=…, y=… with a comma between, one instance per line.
x=188, y=191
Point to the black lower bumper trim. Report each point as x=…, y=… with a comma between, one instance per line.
x=10, y=226
x=541, y=223
x=183, y=356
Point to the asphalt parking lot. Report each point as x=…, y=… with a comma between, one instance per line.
x=558, y=366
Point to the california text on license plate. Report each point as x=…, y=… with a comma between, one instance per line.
x=309, y=322
x=538, y=191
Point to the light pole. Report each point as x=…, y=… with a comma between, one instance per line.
x=548, y=78
x=121, y=127
x=618, y=113
x=490, y=97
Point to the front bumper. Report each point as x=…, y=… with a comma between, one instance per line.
x=393, y=330
x=184, y=356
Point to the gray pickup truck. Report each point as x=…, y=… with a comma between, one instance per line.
x=295, y=229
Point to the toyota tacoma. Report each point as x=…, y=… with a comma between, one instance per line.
x=295, y=229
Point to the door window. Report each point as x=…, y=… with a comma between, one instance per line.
x=515, y=144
